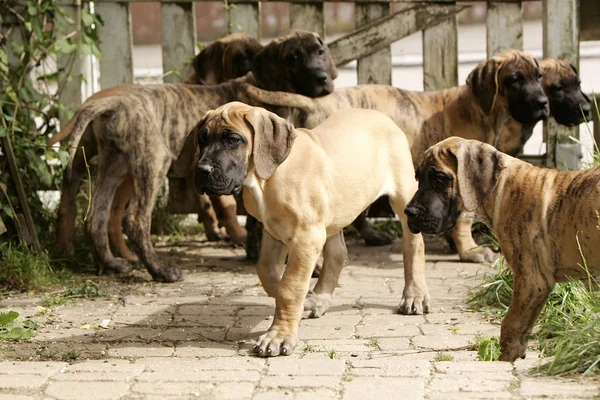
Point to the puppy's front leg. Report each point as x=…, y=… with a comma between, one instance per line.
x=531, y=290
x=282, y=337
x=468, y=250
x=271, y=259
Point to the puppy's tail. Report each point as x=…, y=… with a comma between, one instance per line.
x=282, y=99
x=78, y=124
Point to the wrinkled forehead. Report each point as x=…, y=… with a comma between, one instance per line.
x=559, y=70
x=306, y=41
x=225, y=118
x=518, y=61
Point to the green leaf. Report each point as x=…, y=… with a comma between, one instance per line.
x=31, y=8
x=87, y=19
x=8, y=317
x=16, y=333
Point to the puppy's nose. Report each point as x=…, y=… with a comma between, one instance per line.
x=411, y=211
x=321, y=78
x=586, y=109
x=542, y=102
x=205, y=169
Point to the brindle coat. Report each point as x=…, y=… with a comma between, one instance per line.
x=140, y=131
x=539, y=216
x=500, y=104
x=355, y=156
x=568, y=104
x=211, y=66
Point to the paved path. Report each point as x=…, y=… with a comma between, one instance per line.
x=192, y=340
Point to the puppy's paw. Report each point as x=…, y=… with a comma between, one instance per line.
x=167, y=274
x=415, y=300
x=478, y=255
x=214, y=235
x=315, y=305
x=512, y=349
x=237, y=235
x=275, y=343
x=115, y=265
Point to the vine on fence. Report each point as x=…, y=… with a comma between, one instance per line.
x=34, y=34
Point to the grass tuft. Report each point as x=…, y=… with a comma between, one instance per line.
x=443, y=357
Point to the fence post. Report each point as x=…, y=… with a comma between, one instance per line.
x=116, y=44
x=377, y=67
x=244, y=18
x=561, y=40
x=440, y=48
x=69, y=65
x=308, y=16
x=178, y=31
x=504, y=27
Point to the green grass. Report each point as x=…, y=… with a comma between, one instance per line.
x=488, y=348
x=88, y=290
x=443, y=357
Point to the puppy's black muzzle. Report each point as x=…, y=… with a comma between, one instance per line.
x=209, y=180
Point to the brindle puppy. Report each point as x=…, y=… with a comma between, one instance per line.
x=568, y=104
x=544, y=220
x=142, y=130
x=224, y=59
x=500, y=104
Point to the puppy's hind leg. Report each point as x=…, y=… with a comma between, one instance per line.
x=415, y=296
x=117, y=213
x=111, y=171
x=335, y=255
x=148, y=176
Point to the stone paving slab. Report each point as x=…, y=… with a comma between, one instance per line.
x=193, y=339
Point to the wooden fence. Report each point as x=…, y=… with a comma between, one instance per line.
x=369, y=44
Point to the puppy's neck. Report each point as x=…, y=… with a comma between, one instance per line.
x=253, y=195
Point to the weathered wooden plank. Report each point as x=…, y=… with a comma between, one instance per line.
x=504, y=27
x=298, y=1
x=178, y=31
x=377, y=66
x=244, y=18
x=308, y=16
x=561, y=40
x=116, y=43
x=440, y=55
x=69, y=65
x=381, y=33
x=589, y=27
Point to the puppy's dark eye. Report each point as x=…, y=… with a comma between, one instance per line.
x=441, y=179
x=320, y=52
x=517, y=77
x=202, y=136
x=233, y=140
x=556, y=87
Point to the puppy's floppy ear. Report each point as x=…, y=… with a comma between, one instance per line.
x=208, y=64
x=267, y=68
x=190, y=153
x=478, y=168
x=273, y=140
x=483, y=81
